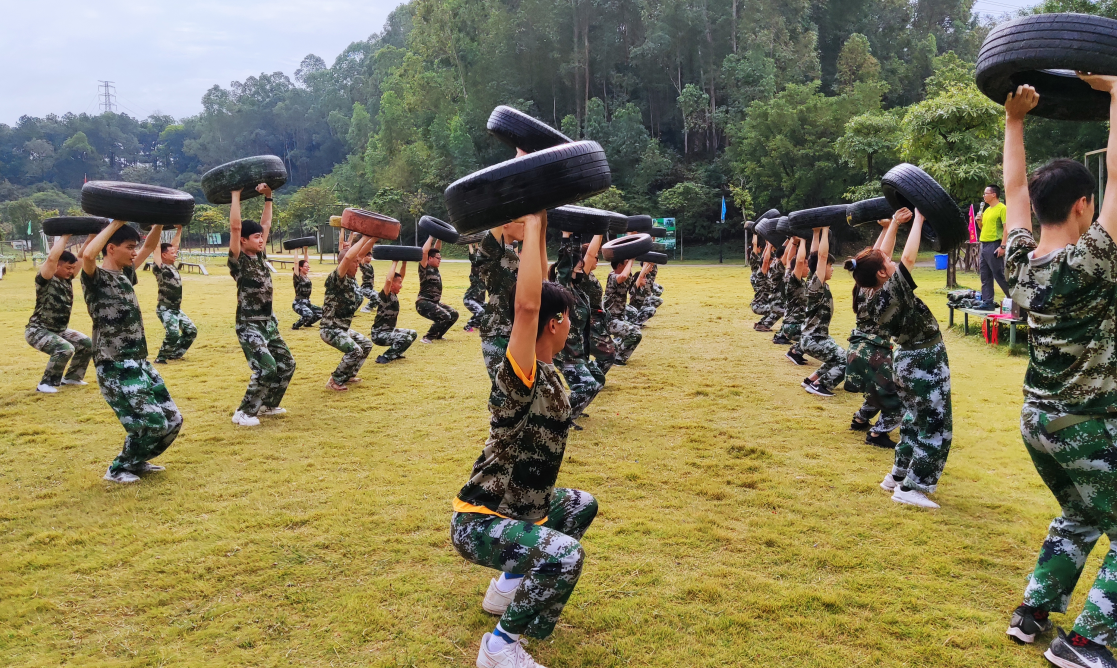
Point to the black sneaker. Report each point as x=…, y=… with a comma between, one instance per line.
x=1077, y=651
x=818, y=390
x=796, y=358
x=382, y=360
x=1025, y=626
x=880, y=440
x=160, y=360
x=294, y=327
x=857, y=425
x=781, y=340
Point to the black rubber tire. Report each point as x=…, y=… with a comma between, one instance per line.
x=438, y=229
x=404, y=253
x=658, y=232
x=518, y=130
x=868, y=211
x=770, y=213
x=137, y=203
x=619, y=226
x=546, y=179
x=1044, y=50
x=301, y=242
x=74, y=225
x=653, y=257
x=642, y=224
x=245, y=174
x=800, y=223
x=474, y=238
x=626, y=247
x=767, y=230
x=906, y=185
x=582, y=219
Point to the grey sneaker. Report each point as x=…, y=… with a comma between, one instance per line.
x=1076, y=651
x=146, y=467
x=122, y=477
x=1025, y=626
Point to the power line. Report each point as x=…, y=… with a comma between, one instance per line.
x=107, y=93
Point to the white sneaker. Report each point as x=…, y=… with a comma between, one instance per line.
x=67, y=381
x=239, y=418
x=271, y=410
x=512, y=656
x=913, y=497
x=497, y=601
x=425, y=340
x=147, y=467
x=122, y=477
x=46, y=389
x=889, y=483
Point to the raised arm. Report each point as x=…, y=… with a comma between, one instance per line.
x=50, y=265
x=888, y=239
x=151, y=242
x=625, y=272
x=390, y=277
x=801, y=268
x=234, y=225
x=353, y=257
x=641, y=280
x=92, y=248
x=177, y=243
x=592, y=252
x=427, y=245
x=911, y=247
x=766, y=260
x=884, y=223
x=529, y=291
x=1017, y=107
x=265, y=217
x=823, y=252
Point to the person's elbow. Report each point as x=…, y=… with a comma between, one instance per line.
x=526, y=309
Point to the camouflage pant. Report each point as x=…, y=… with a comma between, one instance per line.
x=475, y=305
x=271, y=363
x=397, y=340
x=493, y=350
x=308, y=313
x=601, y=345
x=791, y=330
x=549, y=556
x=355, y=346
x=923, y=380
x=181, y=333
x=654, y=300
x=67, y=346
x=369, y=293
x=136, y=393
x=657, y=289
x=626, y=336
x=832, y=356
x=639, y=315
x=760, y=304
x=775, y=311
x=442, y=317
x=1076, y=464
x=584, y=385
x=869, y=371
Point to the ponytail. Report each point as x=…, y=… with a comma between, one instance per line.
x=864, y=267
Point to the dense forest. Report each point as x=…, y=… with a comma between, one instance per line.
x=769, y=103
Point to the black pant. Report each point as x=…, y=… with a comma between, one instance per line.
x=992, y=268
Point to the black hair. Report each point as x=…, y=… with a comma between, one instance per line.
x=864, y=266
x=250, y=227
x=554, y=300
x=812, y=261
x=432, y=251
x=163, y=247
x=397, y=275
x=67, y=257
x=122, y=236
x=303, y=263
x=1056, y=186
x=995, y=188
x=616, y=263
x=552, y=273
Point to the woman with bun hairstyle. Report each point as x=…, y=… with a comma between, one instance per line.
x=921, y=368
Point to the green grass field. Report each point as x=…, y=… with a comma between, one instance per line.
x=741, y=522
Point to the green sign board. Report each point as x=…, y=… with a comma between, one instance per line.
x=669, y=225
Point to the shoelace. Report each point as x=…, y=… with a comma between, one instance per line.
x=520, y=657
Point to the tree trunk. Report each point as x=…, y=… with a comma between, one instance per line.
x=733, y=31
x=576, y=22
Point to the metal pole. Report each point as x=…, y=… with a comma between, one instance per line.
x=721, y=246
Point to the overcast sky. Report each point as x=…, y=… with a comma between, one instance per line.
x=162, y=55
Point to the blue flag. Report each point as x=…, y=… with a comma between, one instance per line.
x=723, y=208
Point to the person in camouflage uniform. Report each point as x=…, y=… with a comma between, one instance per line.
x=599, y=342
x=626, y=335
x=384, y=331
x=474, y=297
x=428, y=303
x=368, y=283
x=577, y=368
x=776, y=306
x=640, y=309
x=308, y=313
x=510, y=516
x=656, y=298
x=921, y=367
x=257, y=329
x=792, y=291
x=497, y=263
x=1067, y=283
x=343, y=298
x=129, y=383
x=815, y=339
x=48, y=329
x=180, y=330
x=762, y=284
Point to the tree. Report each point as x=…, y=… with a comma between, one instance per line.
x=694, y=206
x=692, y=103
x=856, y=63
x=869, y=143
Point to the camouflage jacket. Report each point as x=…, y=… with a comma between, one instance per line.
x=867, y=328
x=476, y=289
x=54, y=301
x=794, y=299
x=254, y=292
x=430, y=284
x=341, y=301
x=118, y=327
x=820, y=309
x=386, y=313
x=516, y=472
x=498, y=265
x=636, y=294
x=776, y=277
x=368, y=275
x=900, y=314
x=616, y=296
x=303, y=286
x=170, y=286
x=579, y=313
x=1071, y=298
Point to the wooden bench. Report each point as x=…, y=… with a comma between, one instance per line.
x=201, y=268
x=282, y=263
x=967, y=312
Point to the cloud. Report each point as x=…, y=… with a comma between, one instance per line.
x=164, y=55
